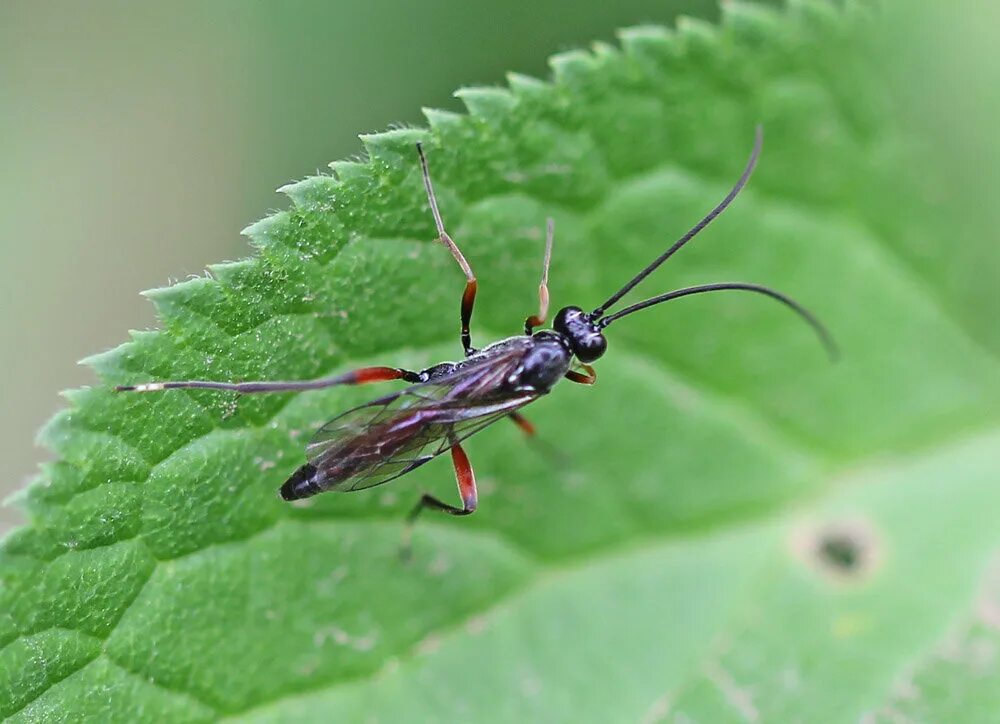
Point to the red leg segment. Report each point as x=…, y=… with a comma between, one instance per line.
x=522, y=422
x=466, y=480
x=583, y=379
x=468, y=302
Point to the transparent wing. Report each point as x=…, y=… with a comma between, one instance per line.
x=388, y=437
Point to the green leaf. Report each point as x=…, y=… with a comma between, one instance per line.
x=741, y=531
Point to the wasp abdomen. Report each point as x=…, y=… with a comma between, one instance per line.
x=304, y=482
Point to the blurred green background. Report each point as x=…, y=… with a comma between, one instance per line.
x=138, y=139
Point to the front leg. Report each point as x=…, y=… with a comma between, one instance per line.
x=587, y=377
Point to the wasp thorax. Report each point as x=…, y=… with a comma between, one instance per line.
x=584, y=336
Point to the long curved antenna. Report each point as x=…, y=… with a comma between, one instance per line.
x=754, y=155
x=820, y=329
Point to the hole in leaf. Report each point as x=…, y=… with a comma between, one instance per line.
x=846, y=550
x=841, y=551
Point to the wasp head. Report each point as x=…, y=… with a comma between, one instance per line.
x=585, y=337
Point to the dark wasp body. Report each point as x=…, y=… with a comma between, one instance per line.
x=498, y=380
x=446, y=403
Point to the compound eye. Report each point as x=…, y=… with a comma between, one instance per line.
x=566, y=318
x=591, y=347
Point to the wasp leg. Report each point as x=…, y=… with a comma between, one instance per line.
x=551, y=453
x=468, y=302
x=538, y=320
x=522, y=422
x=583, y=379
x=466, y=480
x=355, y=377
x=469, y=296
x=543, y=287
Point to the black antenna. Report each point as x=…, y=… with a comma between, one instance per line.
x=821, y=331
x=754, y=155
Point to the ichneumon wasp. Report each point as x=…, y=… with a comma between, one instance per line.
x=448, y=402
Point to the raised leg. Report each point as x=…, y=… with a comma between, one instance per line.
x=543, y=287
x=588, y=377
x=466, y=480
x=469, y=296
x=355, y=377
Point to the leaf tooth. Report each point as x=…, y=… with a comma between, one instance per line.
x=441, y=120
x=261, y=233
x=639, y=36
x=144, y=336
x=522, y=84
x=571, y=66
x=55, y=482
x=650, y=45
x=26, y=551
x=310, y=191
x=350, y=170
x=22, y=499
x=824, y=15
x=487, y=102
x=169, y=300
x=107, y=363
x=289, y=187
x=180, y=290
x=57, y=430
x=392, y=148
x=696, y=35
x=112, y=363
x=228, y=272
x=752, y=23
x=75, y=396
x=604, y=51
x=523, y=80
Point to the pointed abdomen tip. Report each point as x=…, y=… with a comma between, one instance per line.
x=302, y=484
